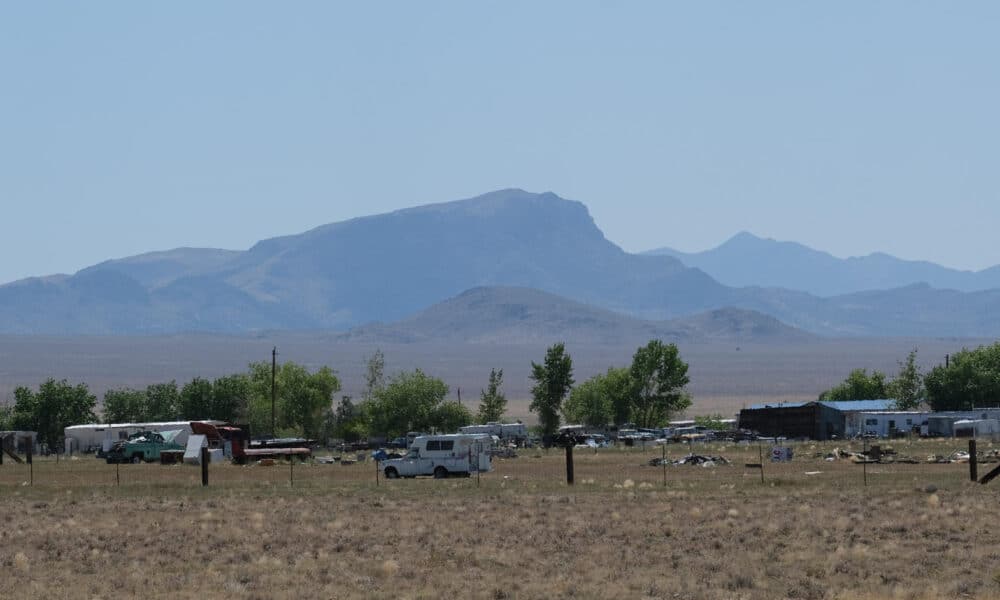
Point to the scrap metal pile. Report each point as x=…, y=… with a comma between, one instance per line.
x=697, y=460
x=887, y=455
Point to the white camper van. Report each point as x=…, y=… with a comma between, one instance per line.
x=442, y=456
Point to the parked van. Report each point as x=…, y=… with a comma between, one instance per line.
x=442, y=456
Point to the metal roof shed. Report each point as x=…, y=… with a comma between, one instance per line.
x=813, y=420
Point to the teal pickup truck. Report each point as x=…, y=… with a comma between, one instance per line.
x=144, y=446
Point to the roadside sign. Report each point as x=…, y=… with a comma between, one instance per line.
x=781, y=454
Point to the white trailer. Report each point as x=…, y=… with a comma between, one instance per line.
x=507, y=432
x=977, y=428
x=457, y=454
x=93, y=437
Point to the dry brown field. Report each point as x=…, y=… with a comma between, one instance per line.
x=811, y=530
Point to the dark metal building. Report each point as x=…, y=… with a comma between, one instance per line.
x=813, y=420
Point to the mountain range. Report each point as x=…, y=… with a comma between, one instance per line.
x=748, y=260
x=398, y=268
x=510, y=315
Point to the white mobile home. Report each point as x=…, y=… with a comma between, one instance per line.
x=93, y=437
x=885, y=423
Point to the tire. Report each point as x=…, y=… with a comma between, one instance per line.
x=136, y=459
x=440, y=472
x=391, y=473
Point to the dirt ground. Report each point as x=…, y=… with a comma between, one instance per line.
x=812, y=529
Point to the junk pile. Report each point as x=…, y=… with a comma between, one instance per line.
x=875, y=455
x=698, y=460
x=959, y=456
x=505, y=452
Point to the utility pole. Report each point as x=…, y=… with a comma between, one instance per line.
x=274, y=368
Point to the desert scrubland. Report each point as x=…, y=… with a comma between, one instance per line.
x=812, y=529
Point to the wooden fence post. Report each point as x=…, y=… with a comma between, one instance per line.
x=569, y=463
x=663, y=463
x=204, y=466
x=973, y=464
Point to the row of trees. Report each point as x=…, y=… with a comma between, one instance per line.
x=304, y=403
x=646, y=393
x=968, y=379
x=300, y=402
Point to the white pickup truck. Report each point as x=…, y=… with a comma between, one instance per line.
x=442, y=456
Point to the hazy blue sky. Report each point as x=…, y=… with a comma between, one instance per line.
x=848, y=126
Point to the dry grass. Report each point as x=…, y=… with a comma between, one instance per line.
x=708, y=533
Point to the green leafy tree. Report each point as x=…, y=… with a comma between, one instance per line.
x=618, y=387
x=659, y=376
x=162, y=400
x=195, y=400
x=588, y=404
x=6, y=417
x=350, y=423
x=230, y=398
x=970, y=380
x=907, y=388
x=306, y=396
x=859, y=385
x=713, y=422
x=124, y=405
x=374, y=374
x=553, y=380
x=55, y=406
x=407, y=403
x=301, y=398
x=448, y=416
x=492, y=402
